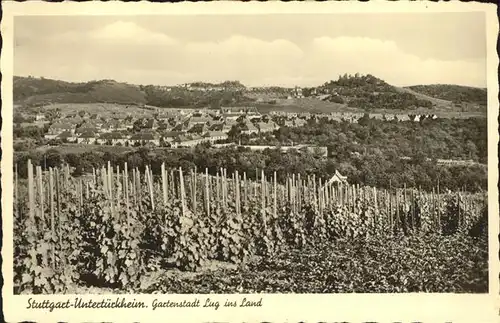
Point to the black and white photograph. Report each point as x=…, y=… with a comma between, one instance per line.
x=288, y=153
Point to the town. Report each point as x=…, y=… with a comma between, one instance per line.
x=176, y=128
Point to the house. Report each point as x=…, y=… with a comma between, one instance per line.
x=66, y=136
x=187, y=141
x=85, y=128
x=337, y=179
x=87, y=137
x=90, y=124
x=248, y=127
x=143, y=138
x=299, y=122
x=232, y=116
x=181, y=126
x=214, y=136
x=74, y=120
x=112, y=138
x=127, y=124
x=219, y=126
x=377, y=116
x=116, y=125
x=200, y=120
x=297, y=92
x=266, y=126
x=147, y=123
x=228, y=125
x=233, y=113
x=164, y=125
x=198, y=128
x=169, y=136
x=58, y=128
x=167, y=115
x=389, y=117
x=39, y=117
x=403, y=117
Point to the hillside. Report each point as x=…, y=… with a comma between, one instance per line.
x=29, y=91
x=369, y=93
x=347, y=93
x=454, y=93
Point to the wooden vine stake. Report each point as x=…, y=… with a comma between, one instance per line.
x=172, y=184
x=263, y=197
x=237, y=192
x=164, y=183
x=245, y=189
x=41, y=196
x=223, y=187
x=58, y=208
x=274, y=196
x=125, y=185
x=138, y=188
x=31, y=201
x=52, y=224
x=207, y=192
x=299, y=189
x=183, y=202
x=16, y=193
x=217, y=187
x=320, y=196
x=193, y=190
x=438, y=196
x=376, y=206
x=149, y=183
x=119, y=191
x=134, y=185
x=110, y=189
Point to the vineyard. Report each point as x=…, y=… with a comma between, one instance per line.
x=116, y=226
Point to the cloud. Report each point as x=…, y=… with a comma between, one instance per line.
x=129, y=31
x=242, y=45
x=119, y=32
x=128, y=52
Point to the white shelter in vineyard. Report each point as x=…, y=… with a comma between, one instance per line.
x=337, y=179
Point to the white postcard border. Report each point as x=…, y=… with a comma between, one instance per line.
x=307, y=307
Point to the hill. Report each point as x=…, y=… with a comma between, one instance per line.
x=454, y=93
x=29, y=91
x=369, y=93
x=33, y=92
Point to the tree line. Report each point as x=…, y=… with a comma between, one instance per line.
x=370, y=169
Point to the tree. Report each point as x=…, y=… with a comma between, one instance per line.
x=235, y=133
x=18, y=118
x=471, y=149
x=53, y=158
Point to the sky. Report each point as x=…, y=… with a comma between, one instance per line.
x=258, y=50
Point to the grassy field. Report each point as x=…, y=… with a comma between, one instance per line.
x=317, y=106
x=81, y=148
x=102, y=109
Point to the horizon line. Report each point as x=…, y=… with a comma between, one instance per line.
x=246, y=86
